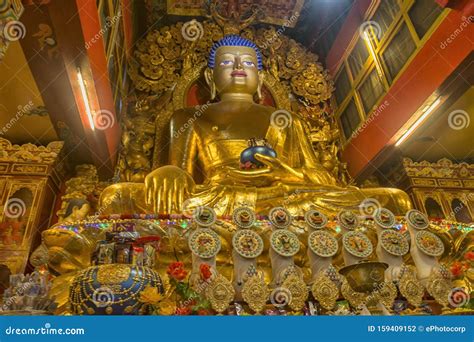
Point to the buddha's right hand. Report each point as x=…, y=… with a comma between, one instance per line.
x=167, y=188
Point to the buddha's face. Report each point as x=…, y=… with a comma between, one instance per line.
x=235, y=70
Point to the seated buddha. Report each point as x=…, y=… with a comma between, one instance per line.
x=206, y=144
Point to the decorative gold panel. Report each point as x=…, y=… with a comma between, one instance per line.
x=25, y=196
x=276, y=12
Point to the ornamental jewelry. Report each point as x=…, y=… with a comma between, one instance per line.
x=280, y=217
x=357, y=244
x=394, y=242
x=384, y=218
x=347, y=219
x=417, y=219
x=315, y=219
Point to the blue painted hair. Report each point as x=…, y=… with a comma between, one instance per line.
x=234, y=40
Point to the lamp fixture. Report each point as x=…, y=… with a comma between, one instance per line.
x=426, y=112
x=85, y=98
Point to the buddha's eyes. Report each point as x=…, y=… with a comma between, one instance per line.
x=230, y=62
x=226, y=62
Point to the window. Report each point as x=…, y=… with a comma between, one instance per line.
x=433, y=209
x=423, y=14
x=358, y=57
x=460, y=211
x=384, y=15
x=398, y=51
x=343, y=85
x=371, y=90
x=350, y=119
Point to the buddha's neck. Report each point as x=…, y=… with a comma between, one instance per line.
x=241, y=97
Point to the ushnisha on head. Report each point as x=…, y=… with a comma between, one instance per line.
x=234, y=69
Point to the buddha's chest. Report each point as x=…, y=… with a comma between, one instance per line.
x=232, y=126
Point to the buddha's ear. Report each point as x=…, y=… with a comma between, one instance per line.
x=210, y=82
x=261, y=76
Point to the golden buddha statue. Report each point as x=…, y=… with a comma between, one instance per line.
x=205, y=147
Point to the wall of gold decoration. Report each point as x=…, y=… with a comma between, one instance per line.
x=29, y=180
x=442, y=190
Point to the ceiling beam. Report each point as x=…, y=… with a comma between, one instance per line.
x=55, y=47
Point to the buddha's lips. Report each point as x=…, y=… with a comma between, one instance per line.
x=238, y=73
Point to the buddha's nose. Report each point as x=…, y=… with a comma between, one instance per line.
x=238, y=63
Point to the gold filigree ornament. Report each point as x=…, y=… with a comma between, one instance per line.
x=356, y=299
x=409, y=286
x=325, y=291
x=439, y=288
x=298, y=290
x=255, y=293
x=220, y=293
x=113, y=274
x=386, y=294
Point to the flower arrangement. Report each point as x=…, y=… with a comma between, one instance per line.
x=458, y=268
x=188, y=300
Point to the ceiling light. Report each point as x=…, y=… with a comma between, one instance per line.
x=426, y=112
x=85, y=98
